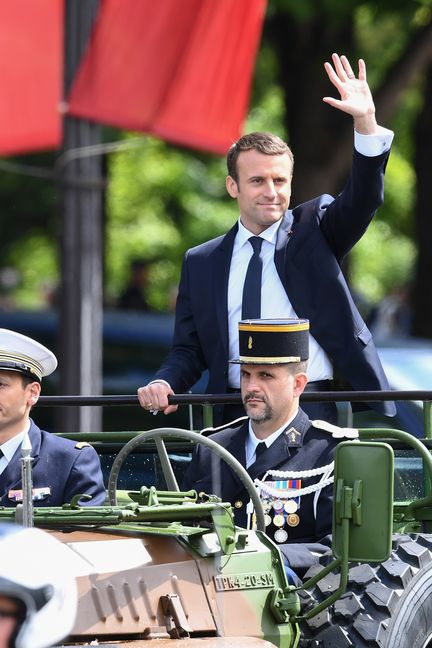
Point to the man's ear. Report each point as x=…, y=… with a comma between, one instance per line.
x=232, y=187
x=34, y=393
x=300, y=382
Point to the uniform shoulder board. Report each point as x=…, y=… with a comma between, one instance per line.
x=336, y=431
x=234, y=423
x=82, y=444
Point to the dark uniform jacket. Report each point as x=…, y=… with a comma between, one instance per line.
x=65, y=468
x=312, y=240
x=300, y=447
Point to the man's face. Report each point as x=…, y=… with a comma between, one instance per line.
x=8, y=619
x=263, y=190
x=15, y=403
x=270, y=392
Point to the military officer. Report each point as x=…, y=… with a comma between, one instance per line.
x=289, y=457
x=38, y=591
x=61, y=468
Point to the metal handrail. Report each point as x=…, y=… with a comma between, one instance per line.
x=217, y=399
x=207, y=400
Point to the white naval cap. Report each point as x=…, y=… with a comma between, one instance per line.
x=21, y=353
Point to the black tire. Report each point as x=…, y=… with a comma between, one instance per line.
x=387, y=605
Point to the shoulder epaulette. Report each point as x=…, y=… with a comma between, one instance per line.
x=336, y=431
x=233, y=423
x=82, y=444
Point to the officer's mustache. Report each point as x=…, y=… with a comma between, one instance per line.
x=251, y=396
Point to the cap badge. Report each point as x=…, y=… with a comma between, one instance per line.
x=250, y=342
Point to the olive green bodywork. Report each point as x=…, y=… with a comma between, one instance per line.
x=163, y=572
x=164, y=568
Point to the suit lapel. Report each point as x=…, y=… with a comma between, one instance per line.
x=221, y=269
x=11, y=476
x=277, y=454
x=283, y=447
x=236, y=445
x=222, y=262
x=283, y=234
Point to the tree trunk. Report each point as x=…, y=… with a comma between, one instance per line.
x=314, y=129
x=322, y=137
x=421, y=295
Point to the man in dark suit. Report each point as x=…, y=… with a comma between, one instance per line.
x=300, y=255
x=61, y=468
x=289, y=457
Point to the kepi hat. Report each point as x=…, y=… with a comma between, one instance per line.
x=21, y=353
x=273, y=341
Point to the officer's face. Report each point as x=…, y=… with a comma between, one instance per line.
x=263, y=190
x=270, y=394
x=8, y=619
x=15, y=402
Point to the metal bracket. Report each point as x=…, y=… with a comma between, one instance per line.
x=348, y=501
x=175, y=618
x=284, y=604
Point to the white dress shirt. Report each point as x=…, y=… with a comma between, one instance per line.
x=274, y=300
x=10, y=447
x=252, y=441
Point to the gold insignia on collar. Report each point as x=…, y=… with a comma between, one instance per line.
x=292, y=434
x=250, y=342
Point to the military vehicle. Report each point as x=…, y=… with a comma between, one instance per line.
x=161, y=567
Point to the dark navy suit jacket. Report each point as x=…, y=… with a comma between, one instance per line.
x=312, y=240
x=63, y=466
x=308, y=448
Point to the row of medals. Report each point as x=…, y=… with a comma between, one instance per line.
x=284, y=512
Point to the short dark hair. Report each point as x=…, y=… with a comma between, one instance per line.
x=297, y=367
x=262, y=142
x=27, y=380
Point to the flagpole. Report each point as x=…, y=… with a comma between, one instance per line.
x=80, y=297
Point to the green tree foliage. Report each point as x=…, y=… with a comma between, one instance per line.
x=28, y=219
x=394, y=38
x=162, y=200
x=158, y=187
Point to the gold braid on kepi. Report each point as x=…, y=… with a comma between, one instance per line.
x=19, y=362
x=21, y=353
x=273, y=341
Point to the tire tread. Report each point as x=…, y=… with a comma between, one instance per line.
x=361, y=617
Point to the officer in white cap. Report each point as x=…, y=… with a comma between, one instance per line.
x=61, y=469
x=289, y=457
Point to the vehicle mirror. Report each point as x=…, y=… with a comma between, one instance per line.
x=363, y=494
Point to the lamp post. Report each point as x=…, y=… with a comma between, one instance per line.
x=80, y=186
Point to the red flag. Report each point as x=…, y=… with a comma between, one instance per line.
x=31, y=36
x=180, y=70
